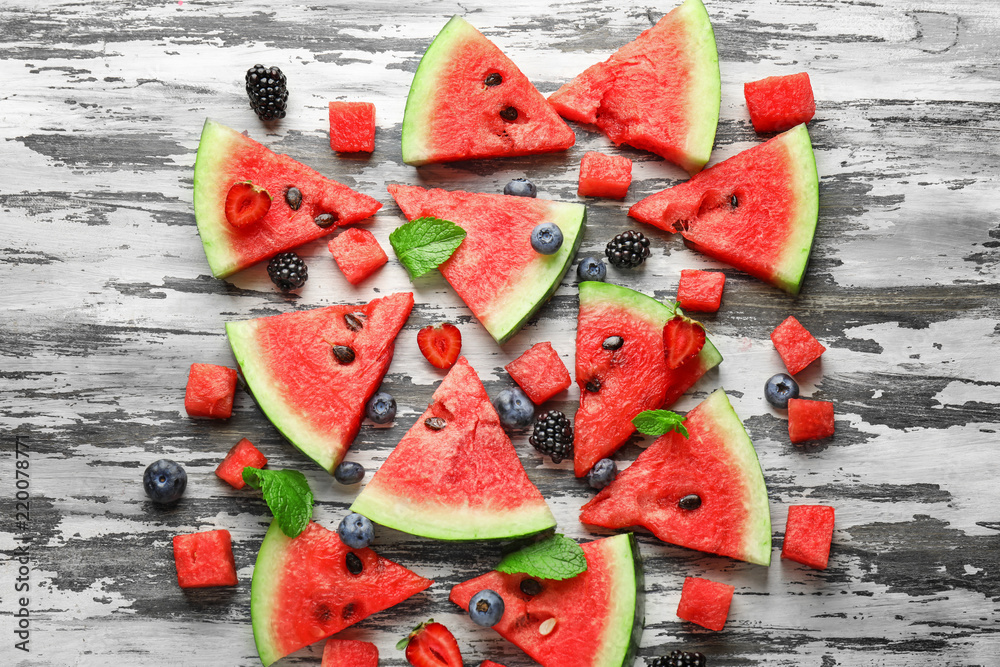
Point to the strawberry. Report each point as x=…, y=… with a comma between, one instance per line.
x=246, y=204
x=432, y=645
x=441, y=345
x=682, y=340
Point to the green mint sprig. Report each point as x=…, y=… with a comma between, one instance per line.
x=423, y=244
x=557, y=557
x=287, y=494
x=659, y=422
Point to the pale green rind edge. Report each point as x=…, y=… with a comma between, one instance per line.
x=621, y=639
x=265, y=583
x=805, y=190
x=214, y=149
x=705, y=101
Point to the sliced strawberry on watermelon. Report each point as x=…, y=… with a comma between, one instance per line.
x=717, y=464
x=297, y=379
x=226, y=158
x=683, y=340
x=352, y=127
x=495, y=270
x=302, y=589
x=617, y=383
x=349, y=653
x=756, y=211
x=246, y=204
x=779, y=103
x=660, y=92
x=705, y=602
x=455, y=474
x=808, y=535
x=432, y=645
x=468, y=100
x=440, y=344
x=598, y=615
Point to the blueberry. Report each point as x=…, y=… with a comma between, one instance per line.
x=520, y=187
x=514, y=407
x=546, y=238
x=591, y=268
x=356, y=531
x=349, y=473
x=602, y=474
x=164, y=481
x=486, y=608
x=779, y=389
x=381, y=408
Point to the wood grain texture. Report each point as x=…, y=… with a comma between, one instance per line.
x=108, y=299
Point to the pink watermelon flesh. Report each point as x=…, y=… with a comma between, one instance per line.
x=604, y=176
x=660, y=92
x=717, y=462
x=352, y=127
x=357, y=253
x=313, y=399
x=769, y=231
x=205, y=559
x=798, y=348
x=700, y=291
x=540, y=373
x=779, y=103
x=463, y=481
x=303, y=592
x=242, y=455
x=349, y=653
x=705, y=602
x=809, y=419
x=490, y=663
x=808, y=535
x=226, y=157
x=210, y=391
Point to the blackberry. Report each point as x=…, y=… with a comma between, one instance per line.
x=553, y=435
x=679, y=659
x=288, y=271
x=627, y=250
x=267, y=92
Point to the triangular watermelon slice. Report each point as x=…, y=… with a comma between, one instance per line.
x=455, y=474
x=227, y=157
x=756, y=211
x=290, y=365
x=718, y=464
x=598, y=614
x=495, y=270
x=660, y=92
x=303, y=592
x=616, y=385
x=468, y=100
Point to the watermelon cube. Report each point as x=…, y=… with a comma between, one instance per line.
x=349, y=653
x=779, y=103
x=700, y=290
x=205, y=559
x=490, y=663
x=358, y=254
x=809, y=419
x=352, y=127
x=604, y=176
x=540, y=373
x=797, y=347
x=210, y=391
x=808, y=534
x=705, y=602
x=243, y=454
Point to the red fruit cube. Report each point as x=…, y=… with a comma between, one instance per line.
x=357, y=252
x=242, y=455
x=490, y=663
x=604, y=176
x=352, y=127
x=705, y=602
x=808, y=534
x=349, y=653
x=210, y=391
x=700, y=291
x=540, y=372
x=205, y=559
x=809, y=419
x=797, y=347
x=779, y=103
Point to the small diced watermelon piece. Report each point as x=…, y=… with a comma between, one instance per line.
x=490, y=663
x=809, y=419
x=205, y=559
x=349, y=653
x=797, y=347
x=779, y=103
x=242, y=455
x=540, y=372
x=700, y=290
x=210, y=391
x=808, y=534
x=357, y=253
x=705, y=602
x=352, y=127
x=604, y=176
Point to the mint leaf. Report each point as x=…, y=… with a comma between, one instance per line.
x=557, y=557
x=424, y=243
x=288, y=495
x=658, y=422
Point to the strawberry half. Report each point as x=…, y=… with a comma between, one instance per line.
x=246, y=204
x=441, y=345
x=682, y=340
x=432, y=645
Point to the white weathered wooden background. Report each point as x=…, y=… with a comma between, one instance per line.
x=107, y=299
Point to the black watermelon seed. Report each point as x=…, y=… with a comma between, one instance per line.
x=354, y=564
x=594, y=386
x=435, y=423
x=293, y=197
x=325, y=220
x=613, y=342
x=692, y=501
x=510, y=114
x=353, y=323
x=531, y=587
x=343, y=353
x=734, y=202
x=493, y=79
